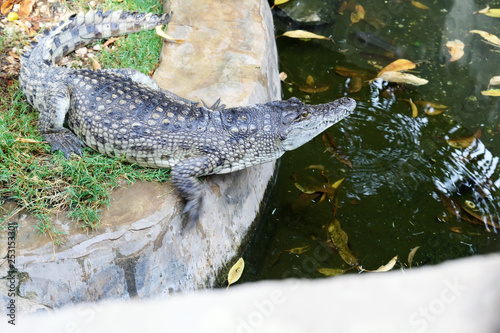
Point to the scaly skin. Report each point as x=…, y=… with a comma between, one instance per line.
x=124, y=113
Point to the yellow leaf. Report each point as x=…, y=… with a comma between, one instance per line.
x=489, y=12
x=311, y=87
x=455, y=49
x=414, y=110
x=387, y=267
x=397, y=66
x=465, y=141
x=235, y=272
x=432, y=109
x=398, y=77
x=337, y=184
x=24, y=140
x=302, y=34
x=310, y=80
x=492, y=39
x=339, y=240
x=162, y=34
x=491, y=92
x=331, y=271
x=358, y=14
x=299, y=250
x=280, y=2
x=419, y=5
x=411, y=255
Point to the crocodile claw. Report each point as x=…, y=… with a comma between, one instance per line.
x=65, y=141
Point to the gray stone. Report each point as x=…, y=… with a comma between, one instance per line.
x=229, y=52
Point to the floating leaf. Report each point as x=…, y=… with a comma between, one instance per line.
x=280, y=2
x=397, y=66
x=492, y=39
x=311, y=87
x=358, y=14
x=494, y=81
x=332, y=148
x=355, y=85
x=283, y=76
x=235, y=272
x=302, y=34
x=411, y=255
x=414, y=110
x=163, y=34
x=465, y=141
x=455, y=49
x=398, y=77
x=339, y=240
x=331, y=271
x=491, y=92
x=310, y=185
x=387, y=267
x=495, y=12
x=418, y=5
x=431, y=108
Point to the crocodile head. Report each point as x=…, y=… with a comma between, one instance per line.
x=301, y=122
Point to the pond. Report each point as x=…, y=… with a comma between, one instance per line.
x=410, y=180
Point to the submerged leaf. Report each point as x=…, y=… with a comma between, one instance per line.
x=411, y=255
x=331, y=271
x=455, y=49
x=332, y=148
x=311, y=87
x=302, y=34
x=235, y=272
x=339, y=240
x=358, y=14
x=398, y=77
x=299, y=250
x=418, y=5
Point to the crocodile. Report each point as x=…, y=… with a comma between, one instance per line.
x=123, y=113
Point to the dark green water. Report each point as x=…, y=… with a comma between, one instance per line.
x=390, y=199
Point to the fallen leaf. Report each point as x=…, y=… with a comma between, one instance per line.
x=494, y=81
x=418, y=5
x=283, y=76
x=339, y=240
x=299, y=250
x=7, y=6
x=302, y=34
x=397, y=66
x=25, y=7
x=235, y=272
x=465, y=141
x=332, y=148
x=495, y=12
x=455, y=49
x=331, y=271
x=414, y=110
x=358, y=14
x=411, y=255
x=492, y=39
x=161, y=33
x=109, y=42
x=398, y=77
x=24, y=140
x=491, y=92
x=311, y=87
x=387, y=267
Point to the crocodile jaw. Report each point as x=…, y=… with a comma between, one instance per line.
x=314, y=120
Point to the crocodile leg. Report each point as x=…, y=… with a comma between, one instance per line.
x=184, y=177
x=50, y=122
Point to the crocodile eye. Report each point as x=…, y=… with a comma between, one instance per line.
x=305, y=114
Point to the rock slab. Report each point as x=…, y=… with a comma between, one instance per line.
x=229, y=51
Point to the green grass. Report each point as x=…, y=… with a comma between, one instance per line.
x=47, y=184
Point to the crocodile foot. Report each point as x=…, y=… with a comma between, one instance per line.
x=65, y=141
x=191, y=213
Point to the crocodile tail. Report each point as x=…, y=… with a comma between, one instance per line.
x=83, y=28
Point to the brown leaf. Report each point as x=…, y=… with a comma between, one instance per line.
x=397, y=66
x=465, y=141
x=431, y=108
x=339, y=240
x=458, y=230
x=455, y=49
x=332, y=148
x=312, y=87
x=109, y=42
x=25, y=7
x=355, y=85
x=358, y=14
x=7, y=6
x=411, y=255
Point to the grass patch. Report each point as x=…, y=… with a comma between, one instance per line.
x=47, y=184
